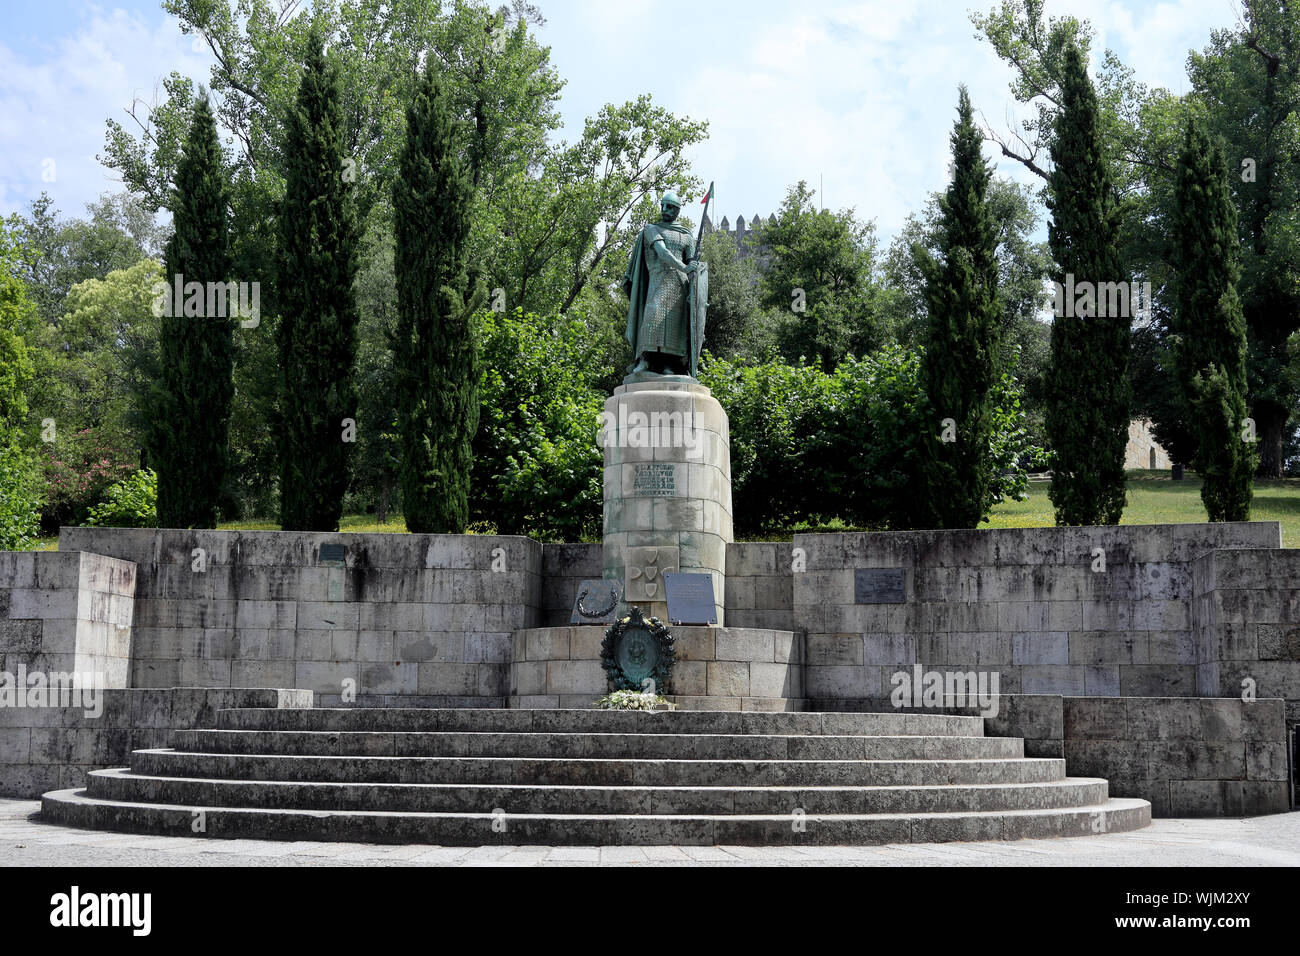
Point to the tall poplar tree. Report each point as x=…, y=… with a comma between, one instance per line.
x=434, y=352
x=318, y=308
x=960, y=365
x=191, y=401
x=1209, y=327
x=1087, y=390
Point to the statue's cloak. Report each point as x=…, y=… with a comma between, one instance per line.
x=636, y=281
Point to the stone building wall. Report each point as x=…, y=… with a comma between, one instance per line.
x=1142, y=450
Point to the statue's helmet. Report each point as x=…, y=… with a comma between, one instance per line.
x=670, y=199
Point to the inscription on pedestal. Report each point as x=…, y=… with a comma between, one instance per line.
x=879, y=586
x=655, y=479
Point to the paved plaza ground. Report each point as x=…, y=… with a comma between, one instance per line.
x=1256, y=841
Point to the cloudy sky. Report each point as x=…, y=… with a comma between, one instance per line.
x=858, y=95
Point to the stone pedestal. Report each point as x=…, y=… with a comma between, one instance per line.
x=667, y=488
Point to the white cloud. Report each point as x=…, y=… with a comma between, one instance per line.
x=860, y=92
x=55, y=109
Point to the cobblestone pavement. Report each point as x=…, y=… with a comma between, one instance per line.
x=1256, y=841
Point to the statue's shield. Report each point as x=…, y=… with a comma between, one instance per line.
x=699, y=299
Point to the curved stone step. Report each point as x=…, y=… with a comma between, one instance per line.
x=599, y=721
x=123, y=785
x=598, y=745
x=76, y=808
x=595, y=771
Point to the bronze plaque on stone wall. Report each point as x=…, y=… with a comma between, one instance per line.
x=879, y=586
x=690, y=599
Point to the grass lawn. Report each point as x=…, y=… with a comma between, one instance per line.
x=1154, y=499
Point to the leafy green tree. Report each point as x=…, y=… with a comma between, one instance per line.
x=961, y=364
x=318, y=322
x=104, y=357
x=130, y=503
x=376, y=470
x=1211, y=355
x=571, y=227
x=733, y=328
x=822, y=278
x=551, y=222
x=1248, y=81
x=1087, y=382
x=537, y=467
x=191, y=405
x=20, y=489
x=434, y=352
x=809, y=448
x=56, y=253
x=1245, y=85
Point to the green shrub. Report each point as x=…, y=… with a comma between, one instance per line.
x=537, y=467
x=810, y=447
x=20, y=498
x=131, y=503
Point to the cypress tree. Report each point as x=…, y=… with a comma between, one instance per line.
x=434, y=353
x=960, y=365
x=192, y=399
x=317, y=305
x=1086, y=384
x=1210, y=328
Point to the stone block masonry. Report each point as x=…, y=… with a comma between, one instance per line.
x=389, y=614
x=1247, y=620
x=67, y=612
x=1104, y=612
x=717, y=668
x=667, y=489
x=54, y=747
x=1189, y=757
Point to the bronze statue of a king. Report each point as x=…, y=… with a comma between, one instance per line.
x=667, y=286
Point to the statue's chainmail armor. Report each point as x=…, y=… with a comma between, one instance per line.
x=665, y=324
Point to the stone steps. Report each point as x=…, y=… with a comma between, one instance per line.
x=129, y=786
x=611, y=772
x=603, y=745
x=75, y=808
x=599, y=721
x=470, y=777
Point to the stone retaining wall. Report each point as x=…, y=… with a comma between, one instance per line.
x=1032, y=604
x=66, y=612
x=52, y=748
x=1247, y=620
x=564, y=567
x=1189, y=757
x=403, y=614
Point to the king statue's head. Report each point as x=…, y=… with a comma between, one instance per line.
x=670, y=205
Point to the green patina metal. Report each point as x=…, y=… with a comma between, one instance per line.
x=667, y=287
x=638, y=654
